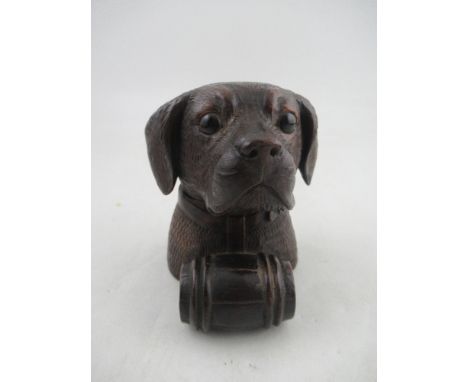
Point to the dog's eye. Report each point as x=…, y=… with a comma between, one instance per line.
x=288, y=123
x=209, y=124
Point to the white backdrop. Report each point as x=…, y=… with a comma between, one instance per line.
x=146, y=52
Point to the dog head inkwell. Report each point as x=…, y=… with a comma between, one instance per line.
x=236, y=149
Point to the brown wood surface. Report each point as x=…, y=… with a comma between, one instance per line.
x=236, y=148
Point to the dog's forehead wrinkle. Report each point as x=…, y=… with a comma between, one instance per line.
x=206, y=98
x=253, y=118
x=285, y=102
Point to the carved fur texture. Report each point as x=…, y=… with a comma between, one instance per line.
x=188, y=240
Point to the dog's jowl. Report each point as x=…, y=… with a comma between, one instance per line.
x=236, y=148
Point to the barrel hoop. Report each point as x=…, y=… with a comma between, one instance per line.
x=200, y=265
x=270, y=291
x=281, y=289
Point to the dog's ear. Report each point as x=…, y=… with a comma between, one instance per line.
x=309, y=139
x=161, y=134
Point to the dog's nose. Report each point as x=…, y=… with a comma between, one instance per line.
x=259, y=149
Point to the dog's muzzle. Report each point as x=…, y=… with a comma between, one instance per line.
x=254, y=166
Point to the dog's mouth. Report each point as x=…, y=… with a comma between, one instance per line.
x=260, y=196
x=265, y=188
x=228, y=172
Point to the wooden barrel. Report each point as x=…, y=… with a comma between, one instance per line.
x=236, y=291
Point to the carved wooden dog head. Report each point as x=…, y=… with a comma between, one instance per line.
x=235, y=146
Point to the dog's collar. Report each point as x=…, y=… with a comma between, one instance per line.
x=235, y=228
x=202, y=217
